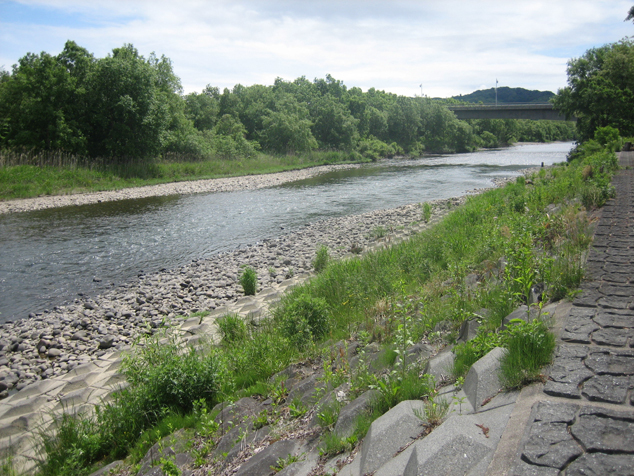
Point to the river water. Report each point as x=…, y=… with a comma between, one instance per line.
x=47, y=257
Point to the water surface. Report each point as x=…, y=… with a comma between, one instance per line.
x=49, y=256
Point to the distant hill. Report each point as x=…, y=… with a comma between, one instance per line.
x=505, y=95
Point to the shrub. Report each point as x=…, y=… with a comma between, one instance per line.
x=426, y=212
x=171, y=374
x=232, y=328
x=321, y=259
x=607, y=134
x=249, y=281
x=529, y=347
x=303, y=318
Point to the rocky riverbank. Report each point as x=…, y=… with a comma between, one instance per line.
x=52, y=343
x=230, y=184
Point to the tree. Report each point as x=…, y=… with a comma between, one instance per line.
x=287, y=129
x=600, y=89
x=130, y=103
x=334, y=127
x=630, y=15
x=42, y=103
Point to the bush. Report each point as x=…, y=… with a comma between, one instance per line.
x=303, y=318
x=607, y=134
x=426, y=212
x=171, y=375
x=529, y=347
x=249, y=281
x=232, y=328
x=321, y=259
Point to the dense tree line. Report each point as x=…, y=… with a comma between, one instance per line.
x=126, y=106
x=600, y=91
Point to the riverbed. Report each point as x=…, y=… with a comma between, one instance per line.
x=51, y=256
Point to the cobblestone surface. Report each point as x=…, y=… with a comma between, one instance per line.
x=588, y=427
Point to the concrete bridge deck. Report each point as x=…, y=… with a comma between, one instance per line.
x=536, y=112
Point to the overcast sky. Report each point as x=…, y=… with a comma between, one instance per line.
x=449, y=46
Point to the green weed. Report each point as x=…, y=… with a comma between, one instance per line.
x=321, y=260
x=529, y=348
x=249, y=281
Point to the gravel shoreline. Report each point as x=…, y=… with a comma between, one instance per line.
x=230, y=184
x=53, y=342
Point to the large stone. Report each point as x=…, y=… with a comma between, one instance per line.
x=389, y=433
x=611, y=362
x=578, y=330
x=233, y=414
x=614, y=318
x=482, y=381
x=604, y=430
x=455, y=458
x=468, y=330
x=550, y=444
x=171, y=447
x=607, y=388
x=458, y=446
x=106, y=470
x=556, y=412
x=600, y=464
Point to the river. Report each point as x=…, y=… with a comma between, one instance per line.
x=48, y=257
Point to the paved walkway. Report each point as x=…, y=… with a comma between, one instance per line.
x=584, y=424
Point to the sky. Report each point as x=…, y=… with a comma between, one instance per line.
x=438, y=48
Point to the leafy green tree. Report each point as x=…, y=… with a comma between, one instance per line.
x=202, y=109
x=288, y=128
x=600, y=89
x=630, y=15
x=43, y=102
x=334, y=127
x=229, y=139
x=403, y=120
x=129, y=100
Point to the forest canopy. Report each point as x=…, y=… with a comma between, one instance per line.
x=126, y=106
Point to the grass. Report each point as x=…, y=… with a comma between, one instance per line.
x=68, y=176
x=249, y=281
x=321, y=260
x=390, y=296
x=529, y=348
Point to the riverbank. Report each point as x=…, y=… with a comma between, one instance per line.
x=230, y=184
x=52, y=343
x=251, y=180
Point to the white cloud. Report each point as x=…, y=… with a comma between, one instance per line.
x=450, y=46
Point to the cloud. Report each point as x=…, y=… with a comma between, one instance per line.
x=450, y=46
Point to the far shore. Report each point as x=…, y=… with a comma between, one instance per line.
x=229, y=184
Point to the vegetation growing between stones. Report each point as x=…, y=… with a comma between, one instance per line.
x=249, y=281
x=530, y=232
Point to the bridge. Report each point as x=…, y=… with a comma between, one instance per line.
x=534, y=111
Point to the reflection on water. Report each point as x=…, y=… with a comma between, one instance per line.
x=48, y=256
